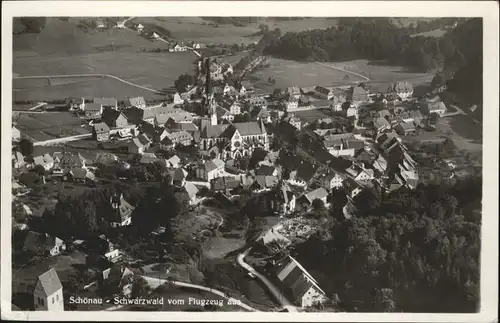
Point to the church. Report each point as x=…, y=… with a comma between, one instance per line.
x=229, y=140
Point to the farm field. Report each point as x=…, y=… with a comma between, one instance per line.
x=312, y=115
x=289, y=73
x=383, y=73
x=200, y=30
x=44, y=126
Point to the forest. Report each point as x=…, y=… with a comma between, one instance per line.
x=380, y=40
x=409, y=251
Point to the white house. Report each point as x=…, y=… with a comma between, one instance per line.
x=178, y=99
x=123, y=212
x=304, y=288
x=317, y=194
x=332, y=181
x=173, y=162
x=139, y=28
x=292, y=104
x=48, y=292
x=235, y=109
x=46, y=161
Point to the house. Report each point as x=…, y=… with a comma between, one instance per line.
x=135, y=146
x=107, y=248
x=137, y=102
x=180, y=176
x=293, y=92
x=351, y=111
x=267, y=170
x=405, y=128
x=178, y=99
x=18, y=160
x=210, y=170
x=122, y=215
x=93, y=110
x=100, y=132
x=223, y=114
x=173, y=162
x=257, y=101
x=46, y=161
x=292, y=104
x=183, y=138
x=226, y=184
x=48, y=292
x=403, y=89
x=230, y=90
x=299, y=283
x=78, y=175
x=148, y=158
x=154, y=35
x=433, y=106
x=139, y=28
x=178, y=48
x=381, y=124
x=337, y=100
x=122, y=278
x=235, y=108
x=43, y=244
x=359, y=173
x=332, y=181
x=283, y=200
x=198, y=45
x=294, y=121
x=323, y=92
x=77, y=104
x=16, y=134
x=107, y=102
x=319, y=193
x=190, y=190
x=358, y=95
x=263, y=182
x=68, y=160
x=343, y=144
x=166, y=144
x=114, y=118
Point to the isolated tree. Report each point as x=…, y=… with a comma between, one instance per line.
x=183, y=82
x=26, y=147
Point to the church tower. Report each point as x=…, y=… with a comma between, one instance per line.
x=213, y=111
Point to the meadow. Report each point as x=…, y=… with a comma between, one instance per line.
x=200, y=30
x=289, y=73
x=44, y=126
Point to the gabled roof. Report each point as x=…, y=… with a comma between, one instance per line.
x=137, y=101
x=50, y=282
x=39, y=240
x=143, y=139
x=180, y=174
x=265, y=170
x=381, y=122
x=407, y=126
x=319, y=193
x=79, y=173
x=148, y=158
x=93, y=107
x=191, y=189
x=101, y=127
x=174, y=159
x=249, y=128
x=214, y=131
x=105, y=102
x=105, y=158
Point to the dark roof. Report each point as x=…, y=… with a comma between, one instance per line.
x=249, y=128
x=36, y=239
x=79, y=173
x=340, y=164
x=110, y=115
x=134, y=115
x=306, y=171
x=265, y=170
x=105, y=101
x=138, y=101
x=101, y=127
x=50, y=282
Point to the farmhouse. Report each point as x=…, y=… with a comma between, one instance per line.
x=69, y=160
x=100, y=132
x=180, y=175
x=93, y=110
x=433, y=106
x=323, y=92
x=235, y=108
x=76, y=104
x=107, y=102
x=178, y=99
x=179, y=137
x=173, y=162
x=292, y=104
x=137, y=102
x=48, y=292
x=189, y=191
x=299, y=283
x=294, y=121
x=139, y=145
x=257, y=102
x=319, y=194
x=46, y=161
x=381, y=124
x=139, y=28
x=293, y=92
x=114, y=118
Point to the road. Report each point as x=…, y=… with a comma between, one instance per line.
x=87, y=75
x=155, y=282
x=62, y=140
x=272, y=288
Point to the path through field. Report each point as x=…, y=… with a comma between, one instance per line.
x=343, y=70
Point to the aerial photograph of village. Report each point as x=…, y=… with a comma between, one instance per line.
x=247, y=164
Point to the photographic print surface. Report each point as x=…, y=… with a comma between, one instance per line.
x=247, y=164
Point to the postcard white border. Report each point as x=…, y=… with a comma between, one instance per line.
x=488, y=10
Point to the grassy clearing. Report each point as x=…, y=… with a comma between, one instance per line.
x=312, y=115
x=201, y=30
x=43, y=126
x=379, y=72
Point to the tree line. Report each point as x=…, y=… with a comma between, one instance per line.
x=373, y=39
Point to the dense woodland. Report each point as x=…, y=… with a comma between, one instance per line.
x=410, y=251
x=379, y=40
